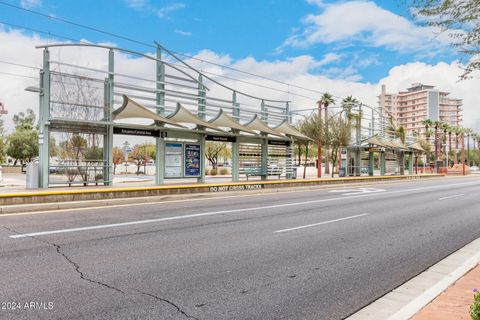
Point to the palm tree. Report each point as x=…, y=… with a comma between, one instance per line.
x=347, y=104
x=326, y=100
x=469, y=133
x=474, y=137
x=428, y=124
x=450, y=130
x=437, y=124
x=458, y=131
x=445, y=127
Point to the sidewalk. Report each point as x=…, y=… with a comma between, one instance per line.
x=454, y=303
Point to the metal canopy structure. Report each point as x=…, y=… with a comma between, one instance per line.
x=182, y=115
x=78, y=102
x=258, y=125
x=131, y=109
x=289, y=130
x=225, y=121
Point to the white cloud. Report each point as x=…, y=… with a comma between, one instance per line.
x=183, y=33
x=363, y=22
x=28, y=4
x=165, y=11
x=299, y=71
x=319, y=3
x=136, y=4
x=162, y=12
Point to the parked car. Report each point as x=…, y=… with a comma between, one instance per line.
x=474, y=169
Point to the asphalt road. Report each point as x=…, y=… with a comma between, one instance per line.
x=315, y=254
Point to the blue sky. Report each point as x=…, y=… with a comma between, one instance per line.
x=356, y=40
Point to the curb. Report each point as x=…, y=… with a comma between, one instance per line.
x=52, y=196
x=405, y=301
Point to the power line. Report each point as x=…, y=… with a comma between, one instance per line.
x=50, y=17
x=19, y=65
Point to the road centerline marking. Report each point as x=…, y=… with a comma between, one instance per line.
x=451, y=197
x=321, y=223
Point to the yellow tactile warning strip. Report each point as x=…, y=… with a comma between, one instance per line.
x=208, y=185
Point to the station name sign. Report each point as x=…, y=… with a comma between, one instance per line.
x=279, y=143
x=220, y=138
x=241, y=187
x=136, y=132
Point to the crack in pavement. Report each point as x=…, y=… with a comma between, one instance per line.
x=167, y=301
x=83, y=277
x=70, y=261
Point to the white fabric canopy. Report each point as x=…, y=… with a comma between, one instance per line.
x=132, y=109
x=224, y=120
x=258, y=125
x=287, y=129
x=183, y=115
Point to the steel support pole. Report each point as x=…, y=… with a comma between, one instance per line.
x=382, y=163
x=160, y=108
x=370, y=163
x=236, y=144
x=201, y=114
x=264, y=142
x=44, y=116
x=108, y=138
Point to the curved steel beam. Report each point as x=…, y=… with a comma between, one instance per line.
x=117, y=49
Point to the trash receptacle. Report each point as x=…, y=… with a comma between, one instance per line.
x=32, y=175
x=341, y=172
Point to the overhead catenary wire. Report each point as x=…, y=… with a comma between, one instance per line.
x=119, y=36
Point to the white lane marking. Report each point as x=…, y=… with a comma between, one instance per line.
x=355, y=191
x=317, y=188
x=272, y=193
x=451, y=197
x=320, y=223
x=224, y=211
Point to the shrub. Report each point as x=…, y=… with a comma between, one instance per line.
x=475, y=307
x=213, y=172
x=223, y=171
x=207, y=172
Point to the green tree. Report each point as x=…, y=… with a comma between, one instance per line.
x=23, y=145
x=24, y=121
x=23, y=142
x=339, y=135
x=118, y=157
x=3, y=143
x=461, y=20
x=213, y=150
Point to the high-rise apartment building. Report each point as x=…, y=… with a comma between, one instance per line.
x=420, y=102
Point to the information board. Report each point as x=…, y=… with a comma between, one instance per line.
x=192, y=160
x=173, y=160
